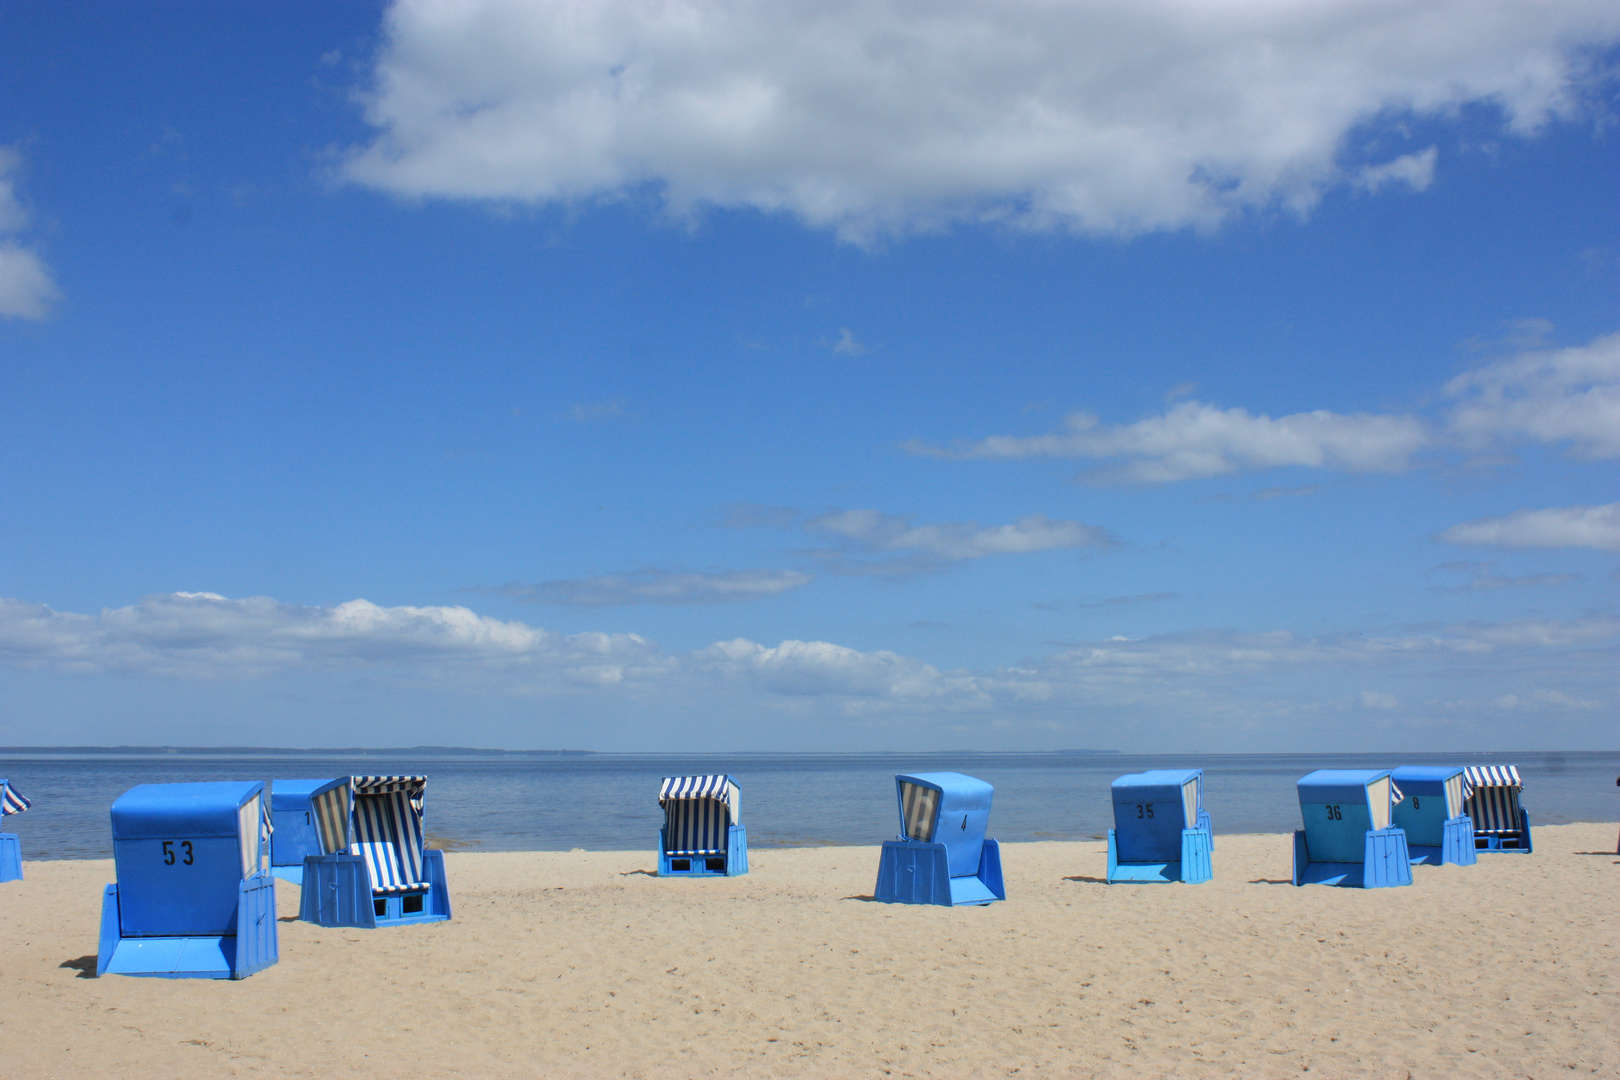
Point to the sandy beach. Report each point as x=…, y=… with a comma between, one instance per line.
x=585, y=964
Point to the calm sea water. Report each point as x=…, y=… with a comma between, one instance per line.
x=609, y=801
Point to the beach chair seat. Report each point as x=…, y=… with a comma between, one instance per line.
x=11, y=802
x=1161, y=830
x=194, y=898
x=1349, y=837
x=374, y=868
x=703, y=835
x=942, y=855
x=1500, y=823
x=1438, y=831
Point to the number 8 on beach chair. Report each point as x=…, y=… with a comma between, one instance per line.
x=375, y=868
x=194, y=898
x=942, y=855
x=1348, y=838
x=702, y=836
x=1161, y=831
x=1437, y=830
x=1500, y=823
x=11, y=802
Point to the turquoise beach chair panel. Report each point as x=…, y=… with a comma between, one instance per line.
x=1161, y=832
x=1349, y=837
x=11, y=802
x=942, y=855
x=194, y=896
x=703, y=833
x=1432, y=814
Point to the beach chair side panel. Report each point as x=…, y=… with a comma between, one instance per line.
x=11, y=868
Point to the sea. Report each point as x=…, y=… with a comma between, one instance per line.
x=609, y=802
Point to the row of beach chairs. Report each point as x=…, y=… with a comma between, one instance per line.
x=196, y=863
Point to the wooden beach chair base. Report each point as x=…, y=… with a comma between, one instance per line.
x=912, y=872
x=252, y=948
x=1385, y=864
x=337, y=892
x=728, y=863
x=1194, y=866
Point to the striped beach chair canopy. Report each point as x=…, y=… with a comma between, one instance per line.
x=699, y=812
x=11, y=800
x=387, y=830
x=1494, y=801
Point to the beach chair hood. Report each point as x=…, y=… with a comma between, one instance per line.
x=1435, y=781
x=11, y=800
x=1340, y=806
x=949, y=808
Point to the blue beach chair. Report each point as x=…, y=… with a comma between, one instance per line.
x=195, y=898
x=375, y=868
x=11, y=802
x=1437, y=830
x=942, y=855
x=702, y=834
x=1500, y=823
x=1161, y=830
x=294, y=806
x=1348, y=837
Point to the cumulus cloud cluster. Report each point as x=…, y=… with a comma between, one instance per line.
x=885, y=116
x=1563, y=397
x=1202, y=676
x=26, y=288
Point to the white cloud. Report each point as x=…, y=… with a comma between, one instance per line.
x=1546, y=395
x=660, y=587
x=889, y=116
x=1566, y=526
x=872, y=532
x=26, y=288
x=1194, y=440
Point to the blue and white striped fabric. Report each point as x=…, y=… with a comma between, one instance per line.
x=1494, y=804
x=920, y=807
x=388, y=830
x=11, y=800
x=332, y=810
x=698, y=813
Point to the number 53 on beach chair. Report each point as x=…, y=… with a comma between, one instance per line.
x=1348, y=837
x=374, y=868
x=942, y=855
x=194, y=897
x=1161, y=830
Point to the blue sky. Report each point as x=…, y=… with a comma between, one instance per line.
x=810, y=377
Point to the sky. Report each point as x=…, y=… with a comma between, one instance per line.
x=1193, y=377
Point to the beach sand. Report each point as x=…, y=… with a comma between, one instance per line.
x=586, y=965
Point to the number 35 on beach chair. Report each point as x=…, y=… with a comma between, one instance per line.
x=1161, y=830
x=702, y=834
x=942, y=855
x=1348, y=837
x=1437, y=829
x=374, y=868
x=11, y=802
x=194, y=897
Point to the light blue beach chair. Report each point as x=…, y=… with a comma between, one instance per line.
x=942, y=855
x=703, y=833
x=1349, y=838
x=1437, y=830
x=1500, y=823
x=375, y=868
x=1161, y=830
x=194, y=898
x=11, y=802
x=296, y=807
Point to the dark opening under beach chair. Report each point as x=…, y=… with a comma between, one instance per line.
x=1438, y=831
x=703, y=835
x=1349, y=838
x=11, y=802
x=1161, y=831
x=942, y=855
x=294, y=806
x=1500, y=823
x=375, y=868
x=194, y=898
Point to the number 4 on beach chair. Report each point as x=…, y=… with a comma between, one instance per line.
x=1161, y=830
x=375, y=868
x=11, y=802
x=1348, y=837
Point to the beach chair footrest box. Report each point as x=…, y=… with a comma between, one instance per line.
x=10, y=857
x=728, y=863
x=1192, y=868
x=1386, y=863
x=912, y=872
x=251, y=949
